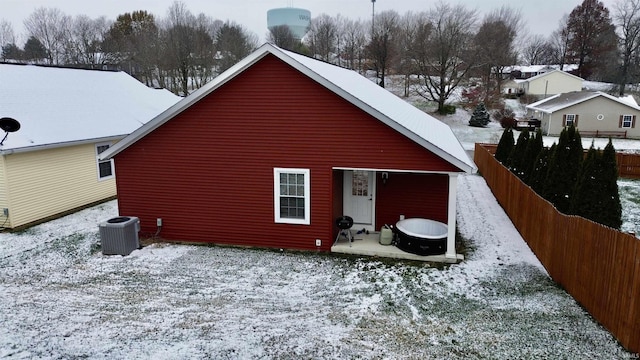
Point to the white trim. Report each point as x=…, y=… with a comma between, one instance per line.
x=99, y=161
x=630, y=121
x=396, y=170
x=24, y=149
x=451, y=217
x=277, y=195
x=346, y=198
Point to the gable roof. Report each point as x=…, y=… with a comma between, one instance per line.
x=539, y=68
x=562, y=101
x=551, y=72
x=62, y=106
x=413, y=123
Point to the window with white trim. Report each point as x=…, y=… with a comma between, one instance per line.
x=292, y=204
x=570, y=120
x=627, y=121
x=105, y=167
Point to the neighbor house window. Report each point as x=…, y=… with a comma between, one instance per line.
x=570, y=119
x=105, y=167
x=627, y=121
x=291, y=196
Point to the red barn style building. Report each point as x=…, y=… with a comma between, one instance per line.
x=273, y=150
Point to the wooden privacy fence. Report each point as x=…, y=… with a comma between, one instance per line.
x=599, y=266
x=628, y=164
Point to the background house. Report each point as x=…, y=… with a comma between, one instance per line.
x=272, y=151
x=589, y=111
x=545, y=84
x=68, y=116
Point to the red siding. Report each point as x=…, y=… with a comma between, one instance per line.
x=208, y=173
x=412, y=195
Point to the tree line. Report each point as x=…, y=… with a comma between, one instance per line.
x=436, y=50
x=575, y=184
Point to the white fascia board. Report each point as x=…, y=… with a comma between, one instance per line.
x=59, y=145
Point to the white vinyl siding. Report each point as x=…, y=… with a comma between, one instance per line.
x=291, y=188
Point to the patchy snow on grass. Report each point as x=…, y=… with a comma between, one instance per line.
x=61, y=298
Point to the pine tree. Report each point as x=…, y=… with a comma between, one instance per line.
x=534, y=146
x=505, y=145
x=585, y=199
x=611, y=213
x=541, y=169
x=563, y=169
x=480, y=116
x=516, y=158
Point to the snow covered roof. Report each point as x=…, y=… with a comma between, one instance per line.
x=551, y=72
x=539, y=68
x=418, y=126
x=562, y=101
x=61, y=106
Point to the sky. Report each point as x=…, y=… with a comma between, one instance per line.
x=541, y=16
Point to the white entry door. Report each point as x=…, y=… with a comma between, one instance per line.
x=359, y=197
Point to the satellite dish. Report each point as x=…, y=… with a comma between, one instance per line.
x=9, y=125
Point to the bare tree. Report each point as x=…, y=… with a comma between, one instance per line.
x=51, y=27
x=383, y=46
x=536, y=49
x=443, y=51
x=282, y=36
x=495, y=41
x=559, y=41
x=592, y=37
x=409, y=27
x=353, y=44
x=627, y=18
x=7, y=36
x=322, y=37
x=84, y=45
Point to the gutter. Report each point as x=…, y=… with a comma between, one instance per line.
x=58, y=145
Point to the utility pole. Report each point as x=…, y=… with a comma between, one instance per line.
x=373, y=16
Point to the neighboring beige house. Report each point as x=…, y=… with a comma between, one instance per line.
x=67, y=117
x=594, y=113
x=544, y=85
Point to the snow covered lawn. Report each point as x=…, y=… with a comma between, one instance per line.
x=61, y=298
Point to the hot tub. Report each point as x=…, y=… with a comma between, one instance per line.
x=421, y=236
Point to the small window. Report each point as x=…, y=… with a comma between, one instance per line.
x=105, y=167
x=627, y=121
x=291, y=196
x=570, y=120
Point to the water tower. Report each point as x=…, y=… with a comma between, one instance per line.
x=298, y=20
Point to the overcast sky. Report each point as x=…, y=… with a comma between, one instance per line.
x=541, y=16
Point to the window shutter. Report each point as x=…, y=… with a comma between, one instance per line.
x=575, y=120
x=620, y=122
x=564, y=120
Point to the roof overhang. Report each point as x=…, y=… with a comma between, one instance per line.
x=64, y=144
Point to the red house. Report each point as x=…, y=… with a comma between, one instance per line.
x=273, y=150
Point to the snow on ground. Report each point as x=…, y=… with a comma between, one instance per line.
x=61, y=298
